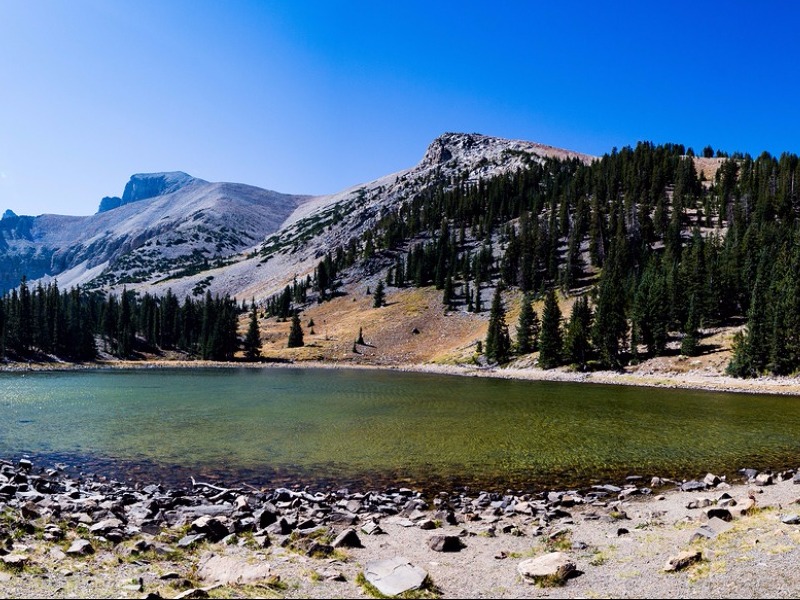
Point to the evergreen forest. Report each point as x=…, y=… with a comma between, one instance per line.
x=76, y=325
x=653, y=251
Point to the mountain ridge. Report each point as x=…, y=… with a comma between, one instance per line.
x=170, y=229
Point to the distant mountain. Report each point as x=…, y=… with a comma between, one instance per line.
x=165, y=223
x=171, y=230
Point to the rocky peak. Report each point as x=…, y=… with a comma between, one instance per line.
x=142, y=186
x=9, y=214
x=470, y=150
x=449, y=145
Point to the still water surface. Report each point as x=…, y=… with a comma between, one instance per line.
x=340, y=427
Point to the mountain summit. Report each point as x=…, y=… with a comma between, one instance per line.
x=142, y=186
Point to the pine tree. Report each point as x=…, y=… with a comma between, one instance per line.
x=295, y=333
x=651, y=310
x=550, y=344
x=252, y=341
x=690, y=342
x=379, y=297
x=478, y=304
x=125, y=330
x=498, y=343
x=448, y=293
x=576, y=342
x=527, y=327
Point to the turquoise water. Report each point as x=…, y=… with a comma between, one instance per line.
x=338, y=427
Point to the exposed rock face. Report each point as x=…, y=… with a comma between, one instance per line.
x=149, y=185
x=109, y=203
x=227, y=570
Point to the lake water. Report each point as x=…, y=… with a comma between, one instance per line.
x=356, y=427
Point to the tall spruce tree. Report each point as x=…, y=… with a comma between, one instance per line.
x=550, y=342
x=527, y=327
x=690, y=341
x=576, y=342
x=252, y=341
x=498, y=343
x=379, y=297
x=295, y=333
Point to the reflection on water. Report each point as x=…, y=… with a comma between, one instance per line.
x=349, y=427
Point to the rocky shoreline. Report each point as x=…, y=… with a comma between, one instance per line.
x=62, y=535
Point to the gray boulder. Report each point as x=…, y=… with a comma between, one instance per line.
x=683, y=560
x=553, y=567
x=80, y=547
x=442, y=542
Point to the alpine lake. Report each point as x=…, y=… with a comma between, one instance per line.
x=371, y=428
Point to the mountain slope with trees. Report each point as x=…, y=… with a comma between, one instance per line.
x=626, y=258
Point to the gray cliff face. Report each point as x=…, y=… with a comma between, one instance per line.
x=142, y=186
x=149, y=185
x=109, y=203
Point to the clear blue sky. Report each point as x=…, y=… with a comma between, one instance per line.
x=309, y=97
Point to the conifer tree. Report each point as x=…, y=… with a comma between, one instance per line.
x=498, y=343
x=252, y=341
x=448, y=293
x=125, y=330
x=527, y=327
x=690, y=341
x=478, y=304
x=295, y=333
x=379, y=297
x=550, y=344
x=576, y=342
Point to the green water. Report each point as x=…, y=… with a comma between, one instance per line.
x=350, y=426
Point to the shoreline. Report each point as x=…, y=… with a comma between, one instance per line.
x=92, y=537
x=691, y=380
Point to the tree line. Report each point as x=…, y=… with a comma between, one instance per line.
x=76, y=324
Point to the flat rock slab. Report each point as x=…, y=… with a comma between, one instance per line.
x=103, y=527
x=227, y=570
x=556, y=565
x=80, y=548
x=711, y=529
x=393, y=576
x=15, y=561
